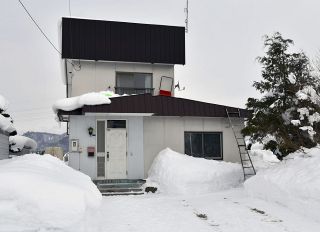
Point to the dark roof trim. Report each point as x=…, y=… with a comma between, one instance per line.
x=121, y=41
x=158, y=106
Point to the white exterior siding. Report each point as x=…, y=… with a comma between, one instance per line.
x=79, y=130
x=163, y=132
x=98, y=76
x=4, y=146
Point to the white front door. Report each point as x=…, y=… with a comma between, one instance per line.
x=116, y=153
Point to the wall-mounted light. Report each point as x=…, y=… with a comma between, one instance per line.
x=90, y=131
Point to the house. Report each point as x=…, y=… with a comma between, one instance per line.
x=4, y=145
x=54, y=151
x=120, y=140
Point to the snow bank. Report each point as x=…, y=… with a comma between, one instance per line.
x=18, y=142
x=293, y=183
x=42, y=192
x=175, y=173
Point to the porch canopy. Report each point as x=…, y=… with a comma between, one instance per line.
x=147, y=104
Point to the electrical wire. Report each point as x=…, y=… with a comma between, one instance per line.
x=44, y=34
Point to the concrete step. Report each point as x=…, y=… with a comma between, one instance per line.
x=104, y=190
x=120, y=187
x=122, y=193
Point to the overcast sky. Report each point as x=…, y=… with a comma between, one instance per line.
x=223, y=41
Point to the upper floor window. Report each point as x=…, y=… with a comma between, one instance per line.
x=133, y=83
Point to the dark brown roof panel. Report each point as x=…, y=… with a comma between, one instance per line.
x=121, y=41
x=158, y=106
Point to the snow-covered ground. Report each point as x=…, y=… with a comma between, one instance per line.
x=42, y=194
x=227, y=211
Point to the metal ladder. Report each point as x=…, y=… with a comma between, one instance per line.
x=236, y=123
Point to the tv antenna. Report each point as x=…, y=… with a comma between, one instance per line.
x=186, y=11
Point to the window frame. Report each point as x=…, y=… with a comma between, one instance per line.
x=202, y=140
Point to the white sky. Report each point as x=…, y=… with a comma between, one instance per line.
x=223, y=41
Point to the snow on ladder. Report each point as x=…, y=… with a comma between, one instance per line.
x=236, y=124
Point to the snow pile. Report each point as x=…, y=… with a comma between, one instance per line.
x=42, y=192
x=293, y=183
x=175, y=173
x=262, y=159
x=18, y=142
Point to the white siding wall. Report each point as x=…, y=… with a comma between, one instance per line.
x=4, y=146
x=80, y=161
x=163, y=132
x=98, y=76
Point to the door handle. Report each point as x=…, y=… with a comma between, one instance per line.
x=107, y=156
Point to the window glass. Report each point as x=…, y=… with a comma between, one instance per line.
x=203, y=144
x=101, y=136
x=187, y=143
x=196, y=144
x=116, y=123
x=212, y=145
x=134, y=80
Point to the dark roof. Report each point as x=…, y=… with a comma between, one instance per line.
x=158, y=106
x=121, y=41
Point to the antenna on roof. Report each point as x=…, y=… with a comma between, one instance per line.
x=186, y=11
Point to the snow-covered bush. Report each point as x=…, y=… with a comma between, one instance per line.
x=175, y=173
x=18, y=142
x=42, y=192
x=6, y=122
x=289, y=108
x=294, y=183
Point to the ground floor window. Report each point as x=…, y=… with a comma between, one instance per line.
x=204, y=144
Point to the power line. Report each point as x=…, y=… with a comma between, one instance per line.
x=42, y=32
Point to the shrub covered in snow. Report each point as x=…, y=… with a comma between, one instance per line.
x=18, y=142
x=289, y=108
x=294, y=183
x=42, y=192
x=6, y=122
x=175, y=173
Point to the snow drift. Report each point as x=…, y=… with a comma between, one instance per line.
x=293, y=183
x=175, y=173
x=42, y=192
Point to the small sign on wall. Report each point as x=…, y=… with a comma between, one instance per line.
x=74, y=145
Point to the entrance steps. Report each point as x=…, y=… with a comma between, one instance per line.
x=120, y=187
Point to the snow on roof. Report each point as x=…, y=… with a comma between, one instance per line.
x=6, y=124
x=93, y=98
x=18, y=142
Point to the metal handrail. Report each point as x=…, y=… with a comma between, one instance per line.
x=128, y=90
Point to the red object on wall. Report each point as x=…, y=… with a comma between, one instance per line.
x=90, y=151
x=165, y=93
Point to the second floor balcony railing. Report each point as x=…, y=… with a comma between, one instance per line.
x=126, y=90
